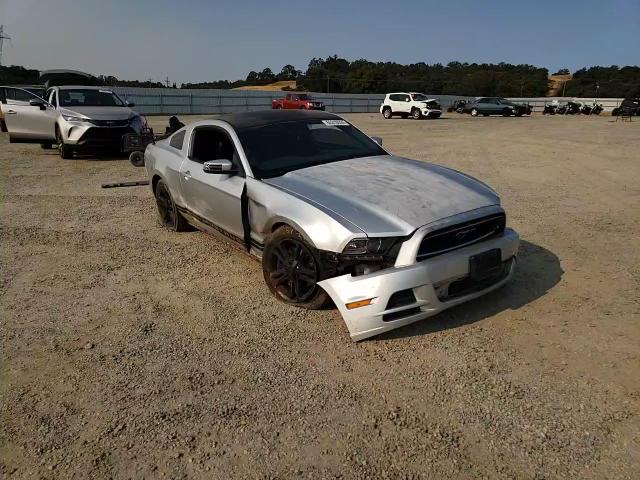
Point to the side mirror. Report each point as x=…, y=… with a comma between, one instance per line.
x=37, y=103
x=218, y=167
x=130, y=104
x=378, y=140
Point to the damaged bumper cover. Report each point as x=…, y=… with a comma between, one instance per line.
x=405, y=294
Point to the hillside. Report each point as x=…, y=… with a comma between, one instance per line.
x=275, y=86
x=556, y=82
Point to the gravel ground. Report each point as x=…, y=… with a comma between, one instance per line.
x=128, y=351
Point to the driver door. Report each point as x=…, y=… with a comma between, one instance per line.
x=26, y=122
x=212, y=197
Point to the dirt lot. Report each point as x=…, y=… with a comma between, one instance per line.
x=128, y=351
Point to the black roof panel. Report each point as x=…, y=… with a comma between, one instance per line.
x=266, y=117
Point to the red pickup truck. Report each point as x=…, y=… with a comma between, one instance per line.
x=297, y=101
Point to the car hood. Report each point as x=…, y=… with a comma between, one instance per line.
x=102, y=113
x=387, y=195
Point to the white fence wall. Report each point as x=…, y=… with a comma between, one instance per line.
x=169, y=101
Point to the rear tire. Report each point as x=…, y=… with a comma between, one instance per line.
x=46, y=145
x=387, y=113
x=278, y=107
x=291, y=269
x=169, y=215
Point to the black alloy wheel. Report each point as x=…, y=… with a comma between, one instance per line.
x=291, y=270
x=167, y=210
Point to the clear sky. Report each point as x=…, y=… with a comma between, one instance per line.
x=198, y=40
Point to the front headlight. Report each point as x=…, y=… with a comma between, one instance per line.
x=375, y=246
x=136, y=123
x=75, y=118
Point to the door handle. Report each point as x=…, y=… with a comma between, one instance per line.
x=187, y=175
x=11, y=112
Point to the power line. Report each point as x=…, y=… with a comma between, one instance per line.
x=3, y=37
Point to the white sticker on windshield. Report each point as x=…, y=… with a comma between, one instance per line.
x=340, y=123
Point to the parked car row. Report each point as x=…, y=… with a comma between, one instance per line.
x=572, y=108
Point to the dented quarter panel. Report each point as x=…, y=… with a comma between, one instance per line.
x=270, y=206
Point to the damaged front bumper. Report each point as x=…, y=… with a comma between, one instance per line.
x=407, y=294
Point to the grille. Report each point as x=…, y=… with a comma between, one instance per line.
x=460, y=235
x=467, y=285
x=110, y=123
x=104, y=135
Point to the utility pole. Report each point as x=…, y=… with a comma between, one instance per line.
x=3, y=37
x=328, y=78
x=167, y=81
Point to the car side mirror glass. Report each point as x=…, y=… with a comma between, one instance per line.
x=130, y=104
x=378, y=140
x=218, y=167
x=37, y=103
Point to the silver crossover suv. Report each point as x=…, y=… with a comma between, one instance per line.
x=334, y=216
x=76, y=118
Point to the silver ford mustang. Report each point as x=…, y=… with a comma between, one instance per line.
x=334, y=216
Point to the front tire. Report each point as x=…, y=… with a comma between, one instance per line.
x=386, y=112
x=65, y=151
x=506, y=112
x=291, y=270
x=474, y=112
x=167, y=210
x=416, y=114
x=46, y=145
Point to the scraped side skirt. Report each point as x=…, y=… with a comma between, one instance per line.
x=201, y=223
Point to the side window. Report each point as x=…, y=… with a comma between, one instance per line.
x=18, y=96
x=395, y=98
x=287, y=96
x=482, y=100
x=211, y=143
x=177, y=139
x=406, y=98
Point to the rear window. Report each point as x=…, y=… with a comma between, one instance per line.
x=177, y=140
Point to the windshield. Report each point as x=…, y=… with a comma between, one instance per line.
x=418, y=97
x=89, y=98
x=303, y=96
x=278, y=148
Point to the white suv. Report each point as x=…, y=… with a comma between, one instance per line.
x=417, y=105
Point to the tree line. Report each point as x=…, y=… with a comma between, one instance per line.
x=338, y=75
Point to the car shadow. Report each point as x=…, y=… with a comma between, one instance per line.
x=538, y=270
